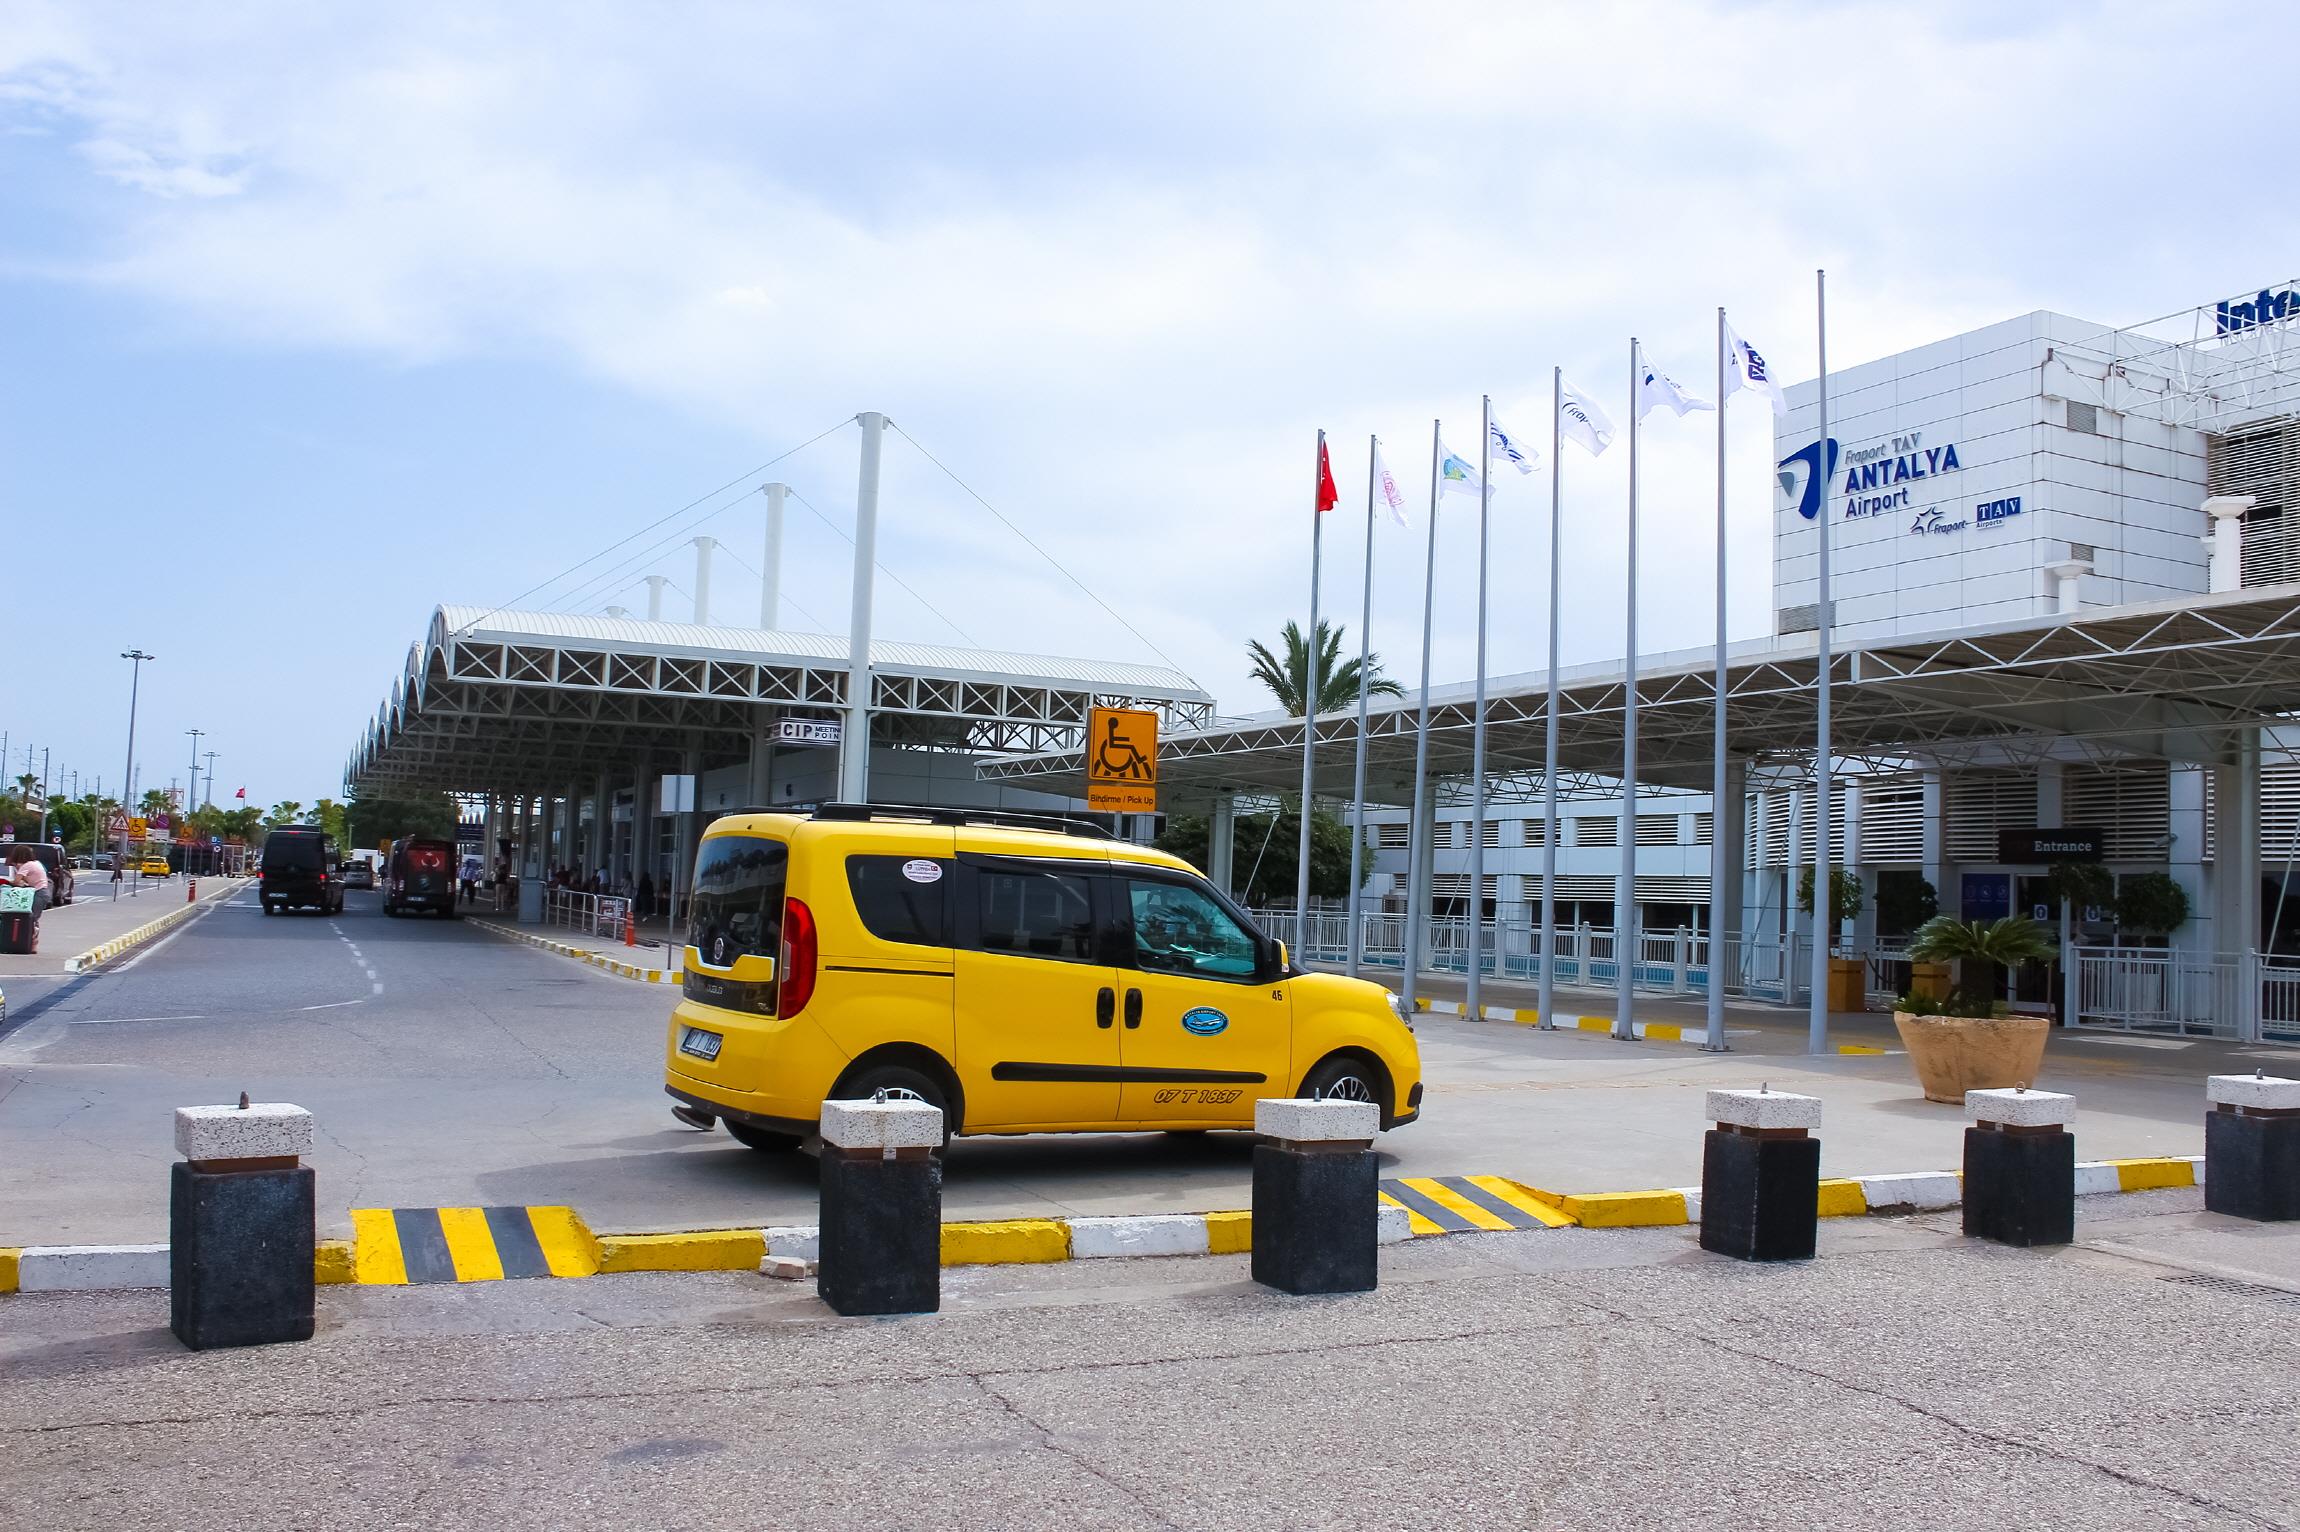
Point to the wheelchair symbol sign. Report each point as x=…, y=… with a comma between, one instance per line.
x=1122, y=760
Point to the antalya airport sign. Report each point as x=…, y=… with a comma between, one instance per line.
x=1884, y=479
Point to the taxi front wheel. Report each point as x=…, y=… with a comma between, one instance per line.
x=1349, y=1077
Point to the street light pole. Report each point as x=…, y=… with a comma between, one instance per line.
x=128, y=777
x=210, y=802
x=192, y=786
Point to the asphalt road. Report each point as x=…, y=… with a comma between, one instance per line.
x=1906, y=1380
x=449, y=1067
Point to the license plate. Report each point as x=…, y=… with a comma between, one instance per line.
x=702, y=1044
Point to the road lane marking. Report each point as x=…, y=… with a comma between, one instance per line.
x=376, y=988
x=332, y=1004
x=114, y=1021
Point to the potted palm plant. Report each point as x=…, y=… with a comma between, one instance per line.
x=1962, y=1044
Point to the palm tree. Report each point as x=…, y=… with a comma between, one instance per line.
x=1288, y=680
x=1989, y=946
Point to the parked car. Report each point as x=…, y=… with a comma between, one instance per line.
x=51, y=857
x=420, y=876
x=1015, y=971
x=300, y=871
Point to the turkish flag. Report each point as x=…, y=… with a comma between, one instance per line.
x=1328, y=496
x=241, y=795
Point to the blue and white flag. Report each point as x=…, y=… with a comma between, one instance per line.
x=1655, y=387
x=1526, y=456
x=1456, y=474
x=1745, y=367
x=1579, y=419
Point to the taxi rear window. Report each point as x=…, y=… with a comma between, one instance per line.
x=902, y=898
x=736, y=907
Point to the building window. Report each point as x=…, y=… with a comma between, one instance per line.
x=1596, y=830
x=1657, y=829
x=2084, y=418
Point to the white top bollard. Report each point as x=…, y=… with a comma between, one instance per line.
x=263, y=1130
x=1764, y=1110
x=2021, y=1108
x=1292, y=1120
x=2257, y=1093
x=881, y=1126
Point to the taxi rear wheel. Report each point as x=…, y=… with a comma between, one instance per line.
x=869, y=1080
x=1349, y=1077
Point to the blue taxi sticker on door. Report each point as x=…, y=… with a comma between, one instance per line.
x=1204, y=1021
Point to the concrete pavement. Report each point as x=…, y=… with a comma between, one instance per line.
x=1907, y=1379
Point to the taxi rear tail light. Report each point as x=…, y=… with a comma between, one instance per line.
x=797, y=966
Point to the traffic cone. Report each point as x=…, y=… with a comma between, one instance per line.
x=191, y=891
x=630, y=928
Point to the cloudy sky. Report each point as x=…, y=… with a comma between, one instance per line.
x=317, y=317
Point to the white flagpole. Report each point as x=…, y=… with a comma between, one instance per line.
x=1418, y=847
x=1365, y=663
x=1309, y=708
x=1477, y=727
x=1625, y=882
x=1549, y=768
x=1714, y=1040
x=1824, y=906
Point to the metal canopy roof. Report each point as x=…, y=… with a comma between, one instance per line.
x=2164, y=681
x=532, y=701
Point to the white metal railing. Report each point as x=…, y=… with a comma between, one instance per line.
x=597, y=914
x=2155, y=989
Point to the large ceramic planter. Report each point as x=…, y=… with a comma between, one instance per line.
x=1955, y=1054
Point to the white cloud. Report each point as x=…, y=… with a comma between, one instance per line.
x=1116, y=266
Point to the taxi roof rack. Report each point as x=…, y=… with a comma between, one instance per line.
x=944, y=814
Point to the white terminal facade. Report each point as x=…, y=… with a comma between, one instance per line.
x=2034, y=467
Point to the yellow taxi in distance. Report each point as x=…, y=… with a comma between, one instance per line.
x=1023, y=973
x=154, y=867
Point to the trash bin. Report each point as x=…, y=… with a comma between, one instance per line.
x=19, y=921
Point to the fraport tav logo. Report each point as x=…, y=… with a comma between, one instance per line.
x=1204, y=1021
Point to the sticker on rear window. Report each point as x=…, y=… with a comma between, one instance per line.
x=922, y=871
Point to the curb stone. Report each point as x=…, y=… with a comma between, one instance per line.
x=579, y=1252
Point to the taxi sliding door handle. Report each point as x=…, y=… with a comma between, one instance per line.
x=1105, y=1005
x=1134, y=1008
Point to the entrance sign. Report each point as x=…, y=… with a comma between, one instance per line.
x=1121, y=761
x=2035, y=848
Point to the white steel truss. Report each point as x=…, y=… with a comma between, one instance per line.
x=2167, y=681
x=504, y=704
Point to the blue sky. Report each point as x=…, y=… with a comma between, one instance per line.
x=315, y=319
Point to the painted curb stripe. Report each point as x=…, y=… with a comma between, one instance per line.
x=1511, y=1216
x=423, y=1250
x=1522, y=1199
x=9, y=1261
x=519, y=1253
x=1440, y=1218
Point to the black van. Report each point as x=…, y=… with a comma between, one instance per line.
x=420, y=876
x=299, y=869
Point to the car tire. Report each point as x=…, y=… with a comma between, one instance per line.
x=270, y=908
x=867, y=1081
x=1349, y=1077
x=764, y=1140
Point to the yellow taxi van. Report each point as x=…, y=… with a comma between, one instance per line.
x=1026, y=974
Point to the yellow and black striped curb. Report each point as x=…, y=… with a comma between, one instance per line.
x=1643, y=1031
x=99, y=955
x=394, y=1247
x=639, y=971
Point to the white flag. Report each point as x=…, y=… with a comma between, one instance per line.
x=1386, y=488
x=1656, y=387
x=1580, y=419
x=1745, y=367
x=1527, y=457
x=1456, y=475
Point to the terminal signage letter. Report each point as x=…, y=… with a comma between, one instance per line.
x=806, y=731
x=2037, y=848
x=1121, y=761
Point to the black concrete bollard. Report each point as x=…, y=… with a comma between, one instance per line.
x=241, y=1226
x=1317, y=1198
x=2252, y=1147
x=881, y=1237
x=2020, y=1167
x=1761, y=1175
